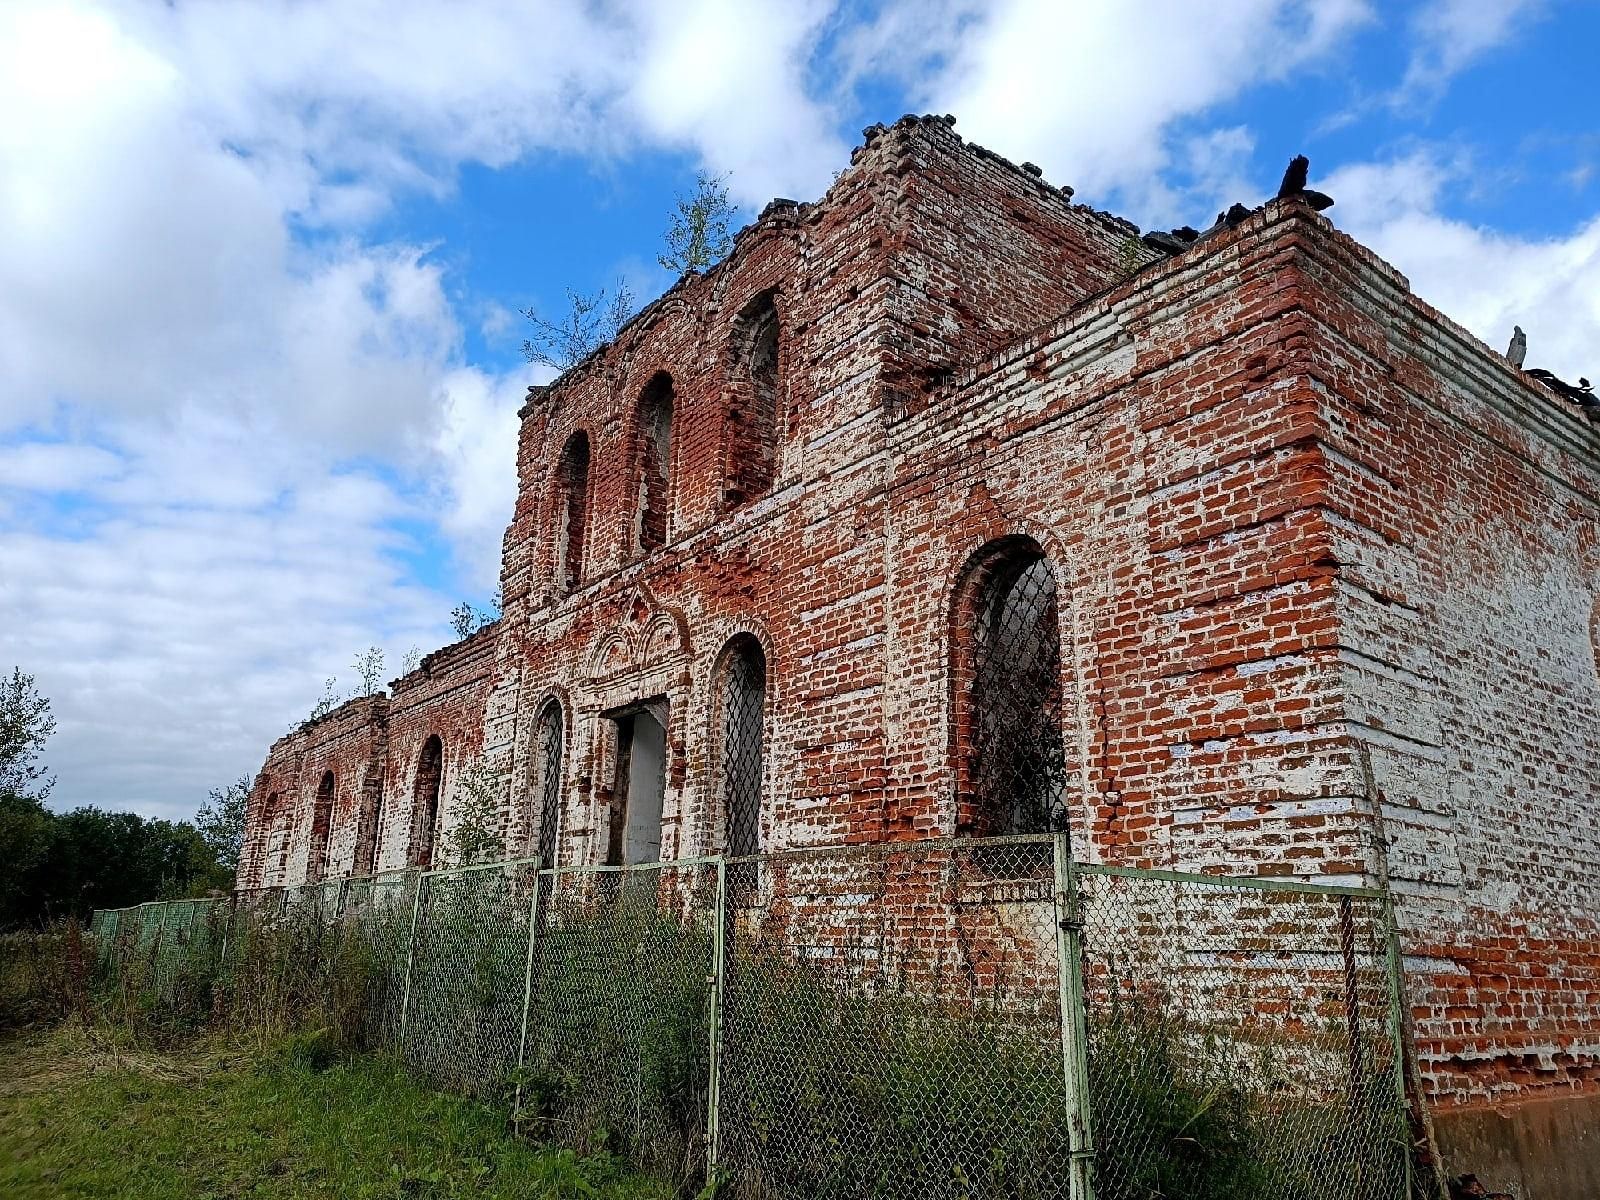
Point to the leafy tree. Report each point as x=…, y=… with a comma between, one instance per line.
x=60, y=864
x=411, y=661
x=589, y=322
x=26, y=831
x=467, y=620
x=474, y=837
x=220, y=821
x=326, y=703
x=25, y=726
x=368, y=667
x=697, y=234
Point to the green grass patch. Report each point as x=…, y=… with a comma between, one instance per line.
x=79, y=1118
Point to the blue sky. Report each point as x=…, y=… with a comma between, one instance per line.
x=260, y=267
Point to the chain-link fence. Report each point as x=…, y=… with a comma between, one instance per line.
x=952, y=1019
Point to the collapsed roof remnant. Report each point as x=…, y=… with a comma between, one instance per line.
x=1294, y=186
x=1582, y=395
x=1174, y=241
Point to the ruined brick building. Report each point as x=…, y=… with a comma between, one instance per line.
x=946, y=506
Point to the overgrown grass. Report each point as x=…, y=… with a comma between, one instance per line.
x=82, y=1118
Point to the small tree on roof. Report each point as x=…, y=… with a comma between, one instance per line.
x=698, y=233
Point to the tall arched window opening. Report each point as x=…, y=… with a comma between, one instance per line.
x=548, y=738
x=425, y=802
x=572, y=511
x=367, y=832
x=653, y=437
x=275, y=850
x=321, y=819
x=739, y=748
x=753, y=411
x=1011, y=758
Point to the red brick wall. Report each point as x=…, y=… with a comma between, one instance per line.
x=1325, y=571
x=350, y=742
x=1465, y=511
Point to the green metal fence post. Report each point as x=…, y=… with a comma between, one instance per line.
x=1397, y=1029
x=527, y=991
x=714, y=1063
x=1074, y=1028
x=411, y=959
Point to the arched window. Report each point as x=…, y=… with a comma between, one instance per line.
x=1007, y=671
x=367, y=832
x=653, y=439
x=572, y=511
x=272, y=860
x=753, y=409
x=739, y=746
x=321, y=819
x=425, y=802
x=548, y=736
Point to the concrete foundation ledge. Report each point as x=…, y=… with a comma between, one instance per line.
x=1535, y=1149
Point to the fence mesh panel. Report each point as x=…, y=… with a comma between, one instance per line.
x=858, y=1021
x=1238, y=1026
x=463, y=1021
x=892, y=1025
x=619, y=1036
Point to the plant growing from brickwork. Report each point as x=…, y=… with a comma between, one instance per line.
x=326, y=703
x=368, y=666
x=591, y=320
x=475, y=831
x=698, y=231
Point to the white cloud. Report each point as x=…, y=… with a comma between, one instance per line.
x=227, y=410
x=178, y=629
x=1089, y=90
x=1449, y=35
x=1486, y=280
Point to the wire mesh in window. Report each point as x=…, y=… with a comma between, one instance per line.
x=1016, y=763
x=739, y=755
x=548, y=739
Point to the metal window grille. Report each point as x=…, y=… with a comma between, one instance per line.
x=548, y=737
x=744, y=694
x=1017, y=768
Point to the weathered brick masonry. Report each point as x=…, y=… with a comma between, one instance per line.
x=1324, y=578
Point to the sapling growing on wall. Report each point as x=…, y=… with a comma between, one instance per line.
x=590, y=321
x=698, y=233
x=368, y=666
x=475, y=834
x=328, y=701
